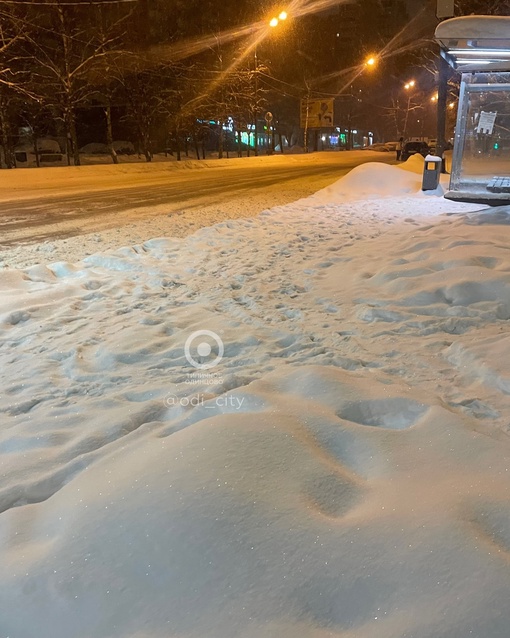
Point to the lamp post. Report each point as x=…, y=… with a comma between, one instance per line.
x=370, y=63
x=444, y=9
x=409, y=86
x=442, y=97
x=256, y=109
x=274, y=22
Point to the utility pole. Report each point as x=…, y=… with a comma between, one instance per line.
x=445, y=9
x=307, y=116
x=256, y=109
x=349, y=119
x=407, y=116
x=442, y=95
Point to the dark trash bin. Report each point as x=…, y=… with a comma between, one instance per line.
x=431, y=173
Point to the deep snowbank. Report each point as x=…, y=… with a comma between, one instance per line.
x=370, y=181
x=344, y=474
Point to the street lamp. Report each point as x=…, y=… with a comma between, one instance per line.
x=408, y=86
x=273, y=22
x=350, y=130
x=369, y=63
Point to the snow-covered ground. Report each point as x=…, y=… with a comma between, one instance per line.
x=294, y=425
x=111, y=206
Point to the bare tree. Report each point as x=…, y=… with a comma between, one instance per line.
x=482, y=7
x=143, y=88
x=13, y=75
x=106, y=69
x=73, y=43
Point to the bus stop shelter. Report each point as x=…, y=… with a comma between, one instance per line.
x=478, y=47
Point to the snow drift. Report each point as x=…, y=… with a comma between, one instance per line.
x=344, y=474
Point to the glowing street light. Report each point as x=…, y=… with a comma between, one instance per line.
x=274, y=22
x=408, y=86
x=370, y=63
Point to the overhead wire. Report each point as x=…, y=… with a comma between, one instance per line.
x=85, y=3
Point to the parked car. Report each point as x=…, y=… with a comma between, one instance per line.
x=432, y=145
x=412, y=148
x=391, y=146
x=376, y=147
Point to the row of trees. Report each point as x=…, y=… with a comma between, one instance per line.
x=157, y=70
x=57, y=59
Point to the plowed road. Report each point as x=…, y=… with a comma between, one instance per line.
x=38, y=204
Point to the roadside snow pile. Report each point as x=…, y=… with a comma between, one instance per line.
x=375, y=180
x=340, y=470
x=413, y=163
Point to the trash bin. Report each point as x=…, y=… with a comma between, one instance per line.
x=431, y=173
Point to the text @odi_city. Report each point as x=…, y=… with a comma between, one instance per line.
x=223, y=401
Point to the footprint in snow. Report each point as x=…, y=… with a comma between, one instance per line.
x=393, y=414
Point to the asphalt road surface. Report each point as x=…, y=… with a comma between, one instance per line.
x=63, y=207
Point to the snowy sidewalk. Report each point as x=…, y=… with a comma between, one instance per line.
x=341, y=470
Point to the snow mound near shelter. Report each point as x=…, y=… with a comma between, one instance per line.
x=413, y=163
x=371, y=181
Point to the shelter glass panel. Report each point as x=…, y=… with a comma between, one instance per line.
x=481, y=162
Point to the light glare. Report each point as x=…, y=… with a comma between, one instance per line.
x=459, y=61
x=481, y=52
